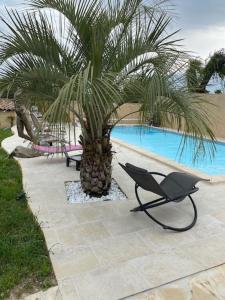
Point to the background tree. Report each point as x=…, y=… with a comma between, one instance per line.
x=89, y=57
x=198, y=76
x=194, y=74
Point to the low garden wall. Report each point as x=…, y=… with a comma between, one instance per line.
x=7, y=119
x=216, y=112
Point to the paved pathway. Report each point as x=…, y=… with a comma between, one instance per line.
x=101, y=251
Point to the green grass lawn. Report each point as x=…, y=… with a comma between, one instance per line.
x=24, y=262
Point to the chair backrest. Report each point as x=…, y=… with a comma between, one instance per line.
x=143, y=179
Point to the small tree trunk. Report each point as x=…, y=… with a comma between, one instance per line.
x=204, y=83
x=96, y=167
x=24, y=123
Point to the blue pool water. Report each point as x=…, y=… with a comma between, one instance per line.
x=166, y=143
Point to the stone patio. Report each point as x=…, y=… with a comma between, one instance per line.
x=101, y=251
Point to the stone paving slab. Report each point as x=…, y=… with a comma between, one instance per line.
x=102, y=251
x=207, y=285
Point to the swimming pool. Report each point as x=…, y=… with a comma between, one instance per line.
x=166, y=143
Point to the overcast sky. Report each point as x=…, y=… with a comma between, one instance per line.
x=202, y=23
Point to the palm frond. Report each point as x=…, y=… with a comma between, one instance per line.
x=178, y=109
x=90, y=99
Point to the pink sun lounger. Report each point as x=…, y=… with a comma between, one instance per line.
x=54, y=149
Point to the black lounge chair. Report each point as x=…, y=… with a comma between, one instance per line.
x=175, y=187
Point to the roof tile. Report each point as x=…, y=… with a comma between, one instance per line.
x=7, y=105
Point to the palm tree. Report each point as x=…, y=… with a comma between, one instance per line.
x=89, y=57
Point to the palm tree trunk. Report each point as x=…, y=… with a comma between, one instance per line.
x=96, y=167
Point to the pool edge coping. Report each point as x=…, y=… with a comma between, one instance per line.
x=171, y=163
